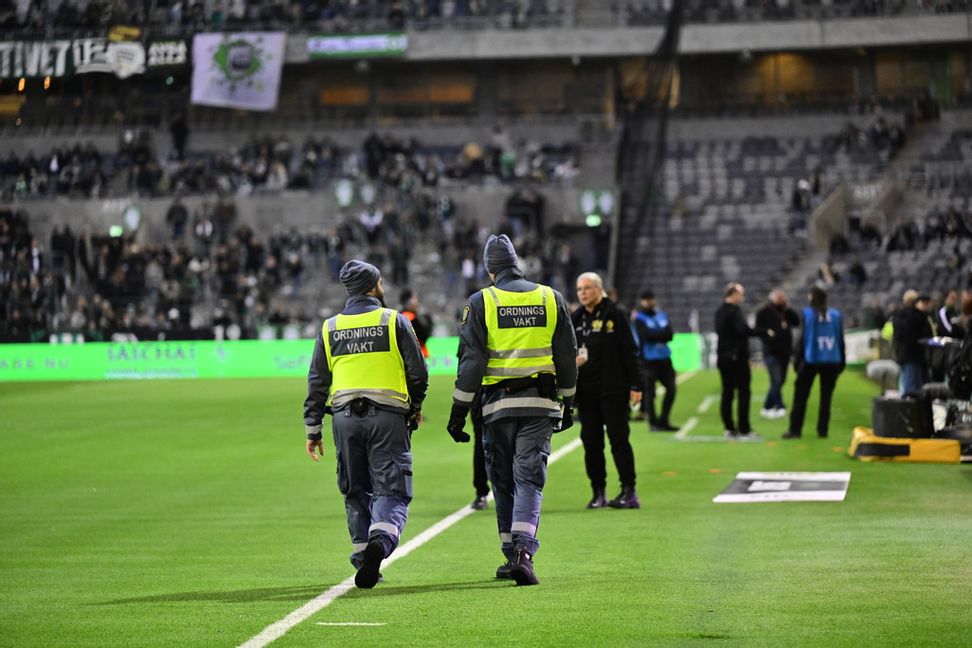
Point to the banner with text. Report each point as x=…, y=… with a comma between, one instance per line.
x=240, y=70
x=211, y=359
x=62, y=58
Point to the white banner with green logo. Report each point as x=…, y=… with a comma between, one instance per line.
x=238, y=70
x=356, y=46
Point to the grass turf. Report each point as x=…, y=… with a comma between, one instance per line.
x=186, y=513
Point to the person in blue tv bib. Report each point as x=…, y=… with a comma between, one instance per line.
x=821, y=353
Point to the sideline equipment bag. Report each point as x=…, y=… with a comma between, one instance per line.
x=909, y=418
x=867, y=446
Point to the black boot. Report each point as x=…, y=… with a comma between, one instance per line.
x=480, y=503
x=504, y=570
x=598, y=500
x=521, y=568
x=626, y=499
x=369, y=575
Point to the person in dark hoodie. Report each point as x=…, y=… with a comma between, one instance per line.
x=776, y=316
x=911, y=326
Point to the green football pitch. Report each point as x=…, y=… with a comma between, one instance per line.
x=186, y=513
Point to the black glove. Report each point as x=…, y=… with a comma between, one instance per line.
x=457, y=420
x=566, y=422
x=412, y=420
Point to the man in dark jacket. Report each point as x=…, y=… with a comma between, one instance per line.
x=911, y=325
x=607, y=380
x=776, y=316
x=733, y=362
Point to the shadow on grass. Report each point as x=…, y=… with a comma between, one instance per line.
x=392, y=590
x=295, y=593
x=301, y=593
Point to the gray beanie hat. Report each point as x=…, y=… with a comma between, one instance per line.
x=499, y=253
x=359, y=277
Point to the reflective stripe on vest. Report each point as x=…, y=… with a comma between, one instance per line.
x=519, y=333
x=364, y=360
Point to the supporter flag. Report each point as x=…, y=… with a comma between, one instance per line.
x=237, y=70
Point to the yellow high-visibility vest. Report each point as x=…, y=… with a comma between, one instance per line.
x=887, y=331
x=519, y=333
x=364, y=360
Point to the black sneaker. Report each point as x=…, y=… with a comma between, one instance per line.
x=521, y=569
x=504, y=571
x=479, y=504
x=369, y=575
x=664, y=427
x=790, y=435
x=598, y=500
x=626, y=499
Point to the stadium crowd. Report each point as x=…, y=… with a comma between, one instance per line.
x=211, y=270
x=343, y=16
x=328, y=15
x=273, y=163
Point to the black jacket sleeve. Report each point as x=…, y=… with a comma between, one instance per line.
x=742, y=328
x=472, y=351
x=764, y=318
x=318, y=389
x=656, y=336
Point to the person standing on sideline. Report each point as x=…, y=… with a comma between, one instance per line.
x=733, y=362
x=607, y=381
x=948, y=314
x=516, y=345
x=911, y=325
x=653, y=332
x=421, y=323
x=367, y=371
x=821, y=354
x=776, y=316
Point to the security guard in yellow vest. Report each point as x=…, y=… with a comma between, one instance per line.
x=516, y=347
x=368, y=372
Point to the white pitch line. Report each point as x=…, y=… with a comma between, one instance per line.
x=707, y=403
x=349, y=623
x=278, y=629
x=685, y=377
x=687, y=427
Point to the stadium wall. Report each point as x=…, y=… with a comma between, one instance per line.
x=273, y=358
x=695, y=39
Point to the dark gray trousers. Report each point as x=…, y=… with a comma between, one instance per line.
x=516, y=451
x=374, y=473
